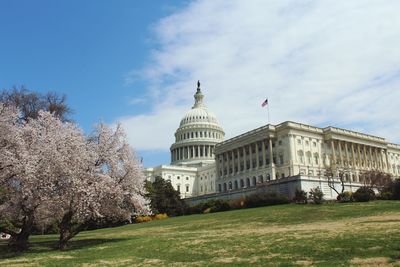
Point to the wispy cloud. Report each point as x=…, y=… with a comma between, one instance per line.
x=318, y=62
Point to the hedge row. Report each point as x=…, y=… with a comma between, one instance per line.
x=254, y=200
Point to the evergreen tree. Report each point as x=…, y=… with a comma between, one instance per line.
x=164, y=198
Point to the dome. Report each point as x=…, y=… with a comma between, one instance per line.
x=197, y=135
x=199, y=115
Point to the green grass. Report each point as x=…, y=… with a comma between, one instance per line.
x=285, y=235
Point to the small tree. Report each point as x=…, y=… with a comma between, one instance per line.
x=364, y=194
x=164, y=198
x=300, y=196
x=316, y=195
x=332, y=179
x=374, y=179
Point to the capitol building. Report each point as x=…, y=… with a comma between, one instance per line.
x=276, y=158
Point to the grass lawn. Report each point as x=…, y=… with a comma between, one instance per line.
x=364, y=234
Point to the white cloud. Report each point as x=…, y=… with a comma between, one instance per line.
x=318, y=62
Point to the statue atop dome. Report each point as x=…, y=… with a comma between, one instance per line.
x=198, y=96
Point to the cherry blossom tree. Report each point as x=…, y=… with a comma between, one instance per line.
x=113, y=187
x=50, y=169
x=46, y=149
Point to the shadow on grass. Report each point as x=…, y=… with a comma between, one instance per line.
x=52, y=245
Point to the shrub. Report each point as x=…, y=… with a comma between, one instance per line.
x=237, y=203
x=395, y=189
x=385, y=196
x=141, y=219
x=160, y=216
x=220, y=205
x=258, y=200
x=196, y=209
x=300, y=196
x=316, y=195
x=208, y=210
x=345, y=197
x=364, y=194
x=209, y=206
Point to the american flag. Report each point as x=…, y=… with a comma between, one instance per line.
x=265, y=103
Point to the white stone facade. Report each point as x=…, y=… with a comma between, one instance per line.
x=202, y=163
x=301, y=150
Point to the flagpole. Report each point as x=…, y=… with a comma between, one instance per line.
x=269, y=122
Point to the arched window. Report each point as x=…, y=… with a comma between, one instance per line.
x=247, y=182
x=308, y=157
x=254, y=181
x=241, y=183
x=300, y=153
x=260, y=179
x=219, y=188
x=236, y=184
x=268, y=177
x=230, y=185
x=316, y=158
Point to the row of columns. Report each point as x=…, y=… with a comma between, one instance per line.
x=192, y=152
x=198, y=134
x=360, y=155
x=238, y=157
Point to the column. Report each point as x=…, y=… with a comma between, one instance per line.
x=375, y=156
x=257, y=156
x=204, y=150
x=353, y=156
x=379, y=156
x=263, y=152
x=251, y=156
x=365, y=156
x=371, y=159
x=271, y=156
x=347, y=153
x=198, y=151
x=340, y=153
x=360, y=162
x=239, y=158
x=387, y=161
x=223, y=164
x=244, y=158
x=217, y=168
x=333, y=153
x=233, y=161
x=292, y=149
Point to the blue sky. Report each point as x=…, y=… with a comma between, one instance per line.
x=137, y=62
x=84, y=49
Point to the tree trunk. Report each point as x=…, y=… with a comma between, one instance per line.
x=65, y=236
x=19, y=241
x=68, y=230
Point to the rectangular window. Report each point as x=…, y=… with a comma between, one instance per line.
x=178, y=188
x=187, y=188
